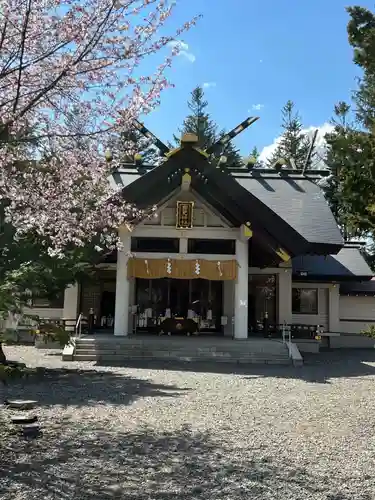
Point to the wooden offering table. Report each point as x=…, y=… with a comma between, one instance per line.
x=180, y=325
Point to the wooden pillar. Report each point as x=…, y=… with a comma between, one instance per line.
x=122, y=286
x=241, y=291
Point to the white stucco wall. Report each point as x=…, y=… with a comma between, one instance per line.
x=45, y=312
x=356, y=313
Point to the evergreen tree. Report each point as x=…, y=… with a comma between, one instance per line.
x=131, y=142
x=351, y=155
x=294, y=144
x=253, y=160
x=255, y=153
x=334, y=161
x=199, y=122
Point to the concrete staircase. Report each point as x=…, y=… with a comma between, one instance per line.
x=118, y=349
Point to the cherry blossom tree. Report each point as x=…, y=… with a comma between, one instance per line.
x=70, y=75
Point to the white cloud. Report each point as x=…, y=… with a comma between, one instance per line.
x=188, y=55
x=209, y=85
x=320, y=144
x=182, y=49
x=256, y=107
x=177, y=44
x=268, y=150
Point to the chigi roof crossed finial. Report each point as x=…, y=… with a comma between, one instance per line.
x=219, y=144
x=286, y=208
x=280, y=167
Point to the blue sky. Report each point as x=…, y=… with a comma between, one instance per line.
x=260, y=52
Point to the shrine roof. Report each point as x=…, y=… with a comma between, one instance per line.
x=348, y=265
x=363, y=288
x=288, y=207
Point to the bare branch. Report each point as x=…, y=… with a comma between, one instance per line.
x=23, y=42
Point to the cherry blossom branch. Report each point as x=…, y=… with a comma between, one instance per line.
x=22, y=52
x=70, y=78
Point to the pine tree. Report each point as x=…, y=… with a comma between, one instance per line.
x=130, y=142
x=255, y=153
x=198, y=122
x=351, y=155
x=334, y=161
x=293, y=144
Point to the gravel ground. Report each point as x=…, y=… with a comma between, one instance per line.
x=179, y=432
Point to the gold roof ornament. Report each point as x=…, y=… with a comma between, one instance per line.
x=189, y=138
x=222, y=161
x=251, y=162
x=137, y=158
x=283, y=254
x=186, y=180
x=108, y=155
x=247, y=231
x=279, y=164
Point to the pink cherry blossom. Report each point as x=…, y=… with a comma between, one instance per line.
x=71, y=77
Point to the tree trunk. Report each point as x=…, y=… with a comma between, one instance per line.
x=3, y=359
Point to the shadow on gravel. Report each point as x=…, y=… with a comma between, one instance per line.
x=75, y=387
x=318, y=368
x=86, y=462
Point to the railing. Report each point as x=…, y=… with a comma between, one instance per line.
x=297, y=331
x=286, y=333
x=78, y=327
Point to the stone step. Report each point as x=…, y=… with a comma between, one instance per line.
x=276, y=348
x=249, y=360
x=24, y=419
x=232, y=343
x=180, y=341
x=30, y=430
x=117, y=349
x=185, y=352
x=193, y=345
x=20, y=404
x=188, y=353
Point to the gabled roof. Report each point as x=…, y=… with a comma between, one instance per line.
x=298, y=201
x=348, y=265
x=283, y=210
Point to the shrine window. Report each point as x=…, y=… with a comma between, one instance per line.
x=55, y=301
x=161, y=245
x=305, y=301
x=213, y=247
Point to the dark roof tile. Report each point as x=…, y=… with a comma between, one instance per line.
x=358, y=288
x=301, y=203
x=349, y=263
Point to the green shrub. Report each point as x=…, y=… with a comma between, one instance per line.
x=51, y=332
x=369, y=332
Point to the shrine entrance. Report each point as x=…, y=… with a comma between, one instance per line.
x=199, y=300
x=262, y=304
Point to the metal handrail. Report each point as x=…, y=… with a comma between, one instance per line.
x=78, y=327
x=287, y=336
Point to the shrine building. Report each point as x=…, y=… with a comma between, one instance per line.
x=232, y=252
